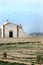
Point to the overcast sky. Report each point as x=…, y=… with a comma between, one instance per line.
x=29, y=13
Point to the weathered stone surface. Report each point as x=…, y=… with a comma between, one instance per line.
x=15, y=30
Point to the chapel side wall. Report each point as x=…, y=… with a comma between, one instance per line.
x=10, y=27
x=22, y=33
x=0, y=33
x=17, y=31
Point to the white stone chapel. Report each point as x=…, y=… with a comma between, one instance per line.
x=11, y=30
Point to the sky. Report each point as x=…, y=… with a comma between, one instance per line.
x=29, y=13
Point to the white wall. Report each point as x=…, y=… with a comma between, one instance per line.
x=2, y=31
x=22, y=33
x=10, y=27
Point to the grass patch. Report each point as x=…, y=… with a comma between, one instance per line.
x=7, y=63
x=20, y=50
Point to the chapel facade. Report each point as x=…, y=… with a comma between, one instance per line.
x=11, y=30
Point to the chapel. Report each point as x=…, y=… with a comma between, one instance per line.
x=11, y=30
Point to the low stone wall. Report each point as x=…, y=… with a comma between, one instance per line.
x=24, y=39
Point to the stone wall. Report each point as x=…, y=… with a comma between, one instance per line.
x=22, y=33
x=16, y=29
x=10, y=27
x=0, y=33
